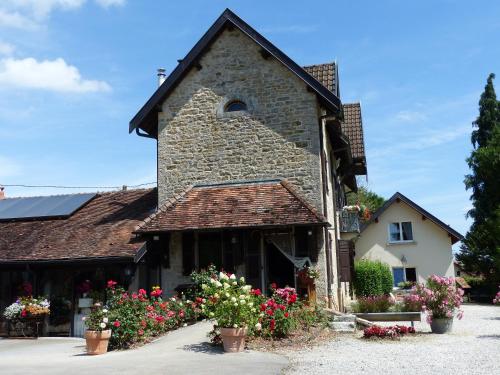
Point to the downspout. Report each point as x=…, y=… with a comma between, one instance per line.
x=328, y=249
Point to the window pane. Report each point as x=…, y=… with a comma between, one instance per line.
x=411, y=274
x=407, y=232
x=398, y=274
x=394, y=232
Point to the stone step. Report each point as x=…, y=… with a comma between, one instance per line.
x=344, y=318
x=343, y=326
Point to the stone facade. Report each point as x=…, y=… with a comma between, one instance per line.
x=277, y=137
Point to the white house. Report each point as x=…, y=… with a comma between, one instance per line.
x=413, y=242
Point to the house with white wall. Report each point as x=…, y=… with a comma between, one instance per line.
x=412, y=241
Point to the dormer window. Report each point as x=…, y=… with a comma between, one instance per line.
x=235, y=106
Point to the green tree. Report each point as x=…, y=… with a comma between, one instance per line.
x=480, y=251
x=367, y=198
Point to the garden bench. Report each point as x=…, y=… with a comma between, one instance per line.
x=391, y=317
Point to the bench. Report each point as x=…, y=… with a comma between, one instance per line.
x=391, y=317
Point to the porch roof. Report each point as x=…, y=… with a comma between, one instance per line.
x=234, y=205
x=101, y=230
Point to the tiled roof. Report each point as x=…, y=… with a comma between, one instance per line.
x=326, y=74
x=102, y=228
x=352, y=126
x=251, y=204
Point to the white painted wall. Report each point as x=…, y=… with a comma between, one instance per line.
x=430, y=253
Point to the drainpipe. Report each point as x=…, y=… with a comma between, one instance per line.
x=328, y=249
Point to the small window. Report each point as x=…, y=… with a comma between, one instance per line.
x=235, y=106
x=400, y=232
x=401, y=274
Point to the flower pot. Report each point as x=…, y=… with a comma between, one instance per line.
x=97, y=342
x=441, y=325
x=233, y=339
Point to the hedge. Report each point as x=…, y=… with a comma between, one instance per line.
x=372, y=278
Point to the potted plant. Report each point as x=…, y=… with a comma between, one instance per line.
x=28, y=311
x=441, y=300
x=98, y=333
x=308, y=275
x=232, y=306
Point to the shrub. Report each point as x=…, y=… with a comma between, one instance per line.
x=411, y=303
x=373, y=304
x=372, y=278
x=392, y=332
x=440, y=297
x=279, y=315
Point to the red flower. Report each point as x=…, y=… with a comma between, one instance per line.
x=281, y=307
x=292, y=299
x=181, y=313
x=274, y=286
x=272, y=324
x=256, y=292
x=150, y=308
x=117, y=323
x=111, y=284
x=156, y=293
x=262, y=306
x=24, y=313
x=142, y=292
x=134, y=295
x=143, y=323
x=286, y=315
x=140, y=332
x=270, y=312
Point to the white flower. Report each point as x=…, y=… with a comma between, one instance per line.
x=226, y=286
x=258, y=326
x=204, y=286
x=222, y=276
x=172, y=299
x=204, y=300
x=242, y=279
x=188, y=301
x=235, y=325
x=211, y=314
x=236, y=304
x=227, y=295
x=254, y=310
x=243, y=301
x=83, y=318
x=235, y=283
x=184, y=325
x=216, y=295
x=233, y=299
x=105, y=320
x=246, y=288
x=218, y=284
x=250, y=304
x=102, y=325
x=242, y=296
x=233, y=277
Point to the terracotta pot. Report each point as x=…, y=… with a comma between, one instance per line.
x=441, y=325
x=97, y=342
x=233, y=339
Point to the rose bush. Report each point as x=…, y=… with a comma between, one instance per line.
x=440, y=298
x=392, y=332
x=136, y=317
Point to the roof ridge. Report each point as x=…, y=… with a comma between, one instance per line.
x=287, y=185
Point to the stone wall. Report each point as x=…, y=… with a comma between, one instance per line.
x=277, y=137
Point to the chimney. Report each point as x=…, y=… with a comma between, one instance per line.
x=2, y=194
x=161, y=76
x=124, y=187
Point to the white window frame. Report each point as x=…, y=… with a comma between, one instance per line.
x=400, y=223
x=404, y=272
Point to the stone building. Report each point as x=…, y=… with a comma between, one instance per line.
x=255, y=157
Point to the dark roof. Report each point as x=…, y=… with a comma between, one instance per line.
x=237, y=205
x=43, y=207
x=455, y=236
x=352, y=126
x=101, y=229
x=326, y=74
x=147, y=117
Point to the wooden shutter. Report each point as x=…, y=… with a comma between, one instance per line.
x=346, y=258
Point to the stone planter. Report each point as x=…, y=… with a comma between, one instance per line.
x=441, y=325
x=97, y=342
x=233, y=339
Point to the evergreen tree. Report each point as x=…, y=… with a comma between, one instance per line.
x=480, y=251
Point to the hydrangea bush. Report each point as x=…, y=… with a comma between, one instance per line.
x=496, y=300
x=439, y=297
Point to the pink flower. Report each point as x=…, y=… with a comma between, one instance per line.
x=117, y=323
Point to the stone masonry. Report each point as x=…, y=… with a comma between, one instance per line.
x=277, y=137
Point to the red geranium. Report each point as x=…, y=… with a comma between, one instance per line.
x=117, y=323
x=256, y=292
x=111, y=284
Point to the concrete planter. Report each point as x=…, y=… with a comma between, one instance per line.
x=233, y=339
x=391, y=316
x=441, y=325
x=97, y=342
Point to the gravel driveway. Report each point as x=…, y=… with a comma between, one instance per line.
x=472, y=348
